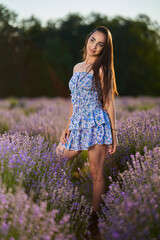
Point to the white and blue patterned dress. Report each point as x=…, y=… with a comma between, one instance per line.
x=90, y=123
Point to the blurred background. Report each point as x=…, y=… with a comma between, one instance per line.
x=41, y=41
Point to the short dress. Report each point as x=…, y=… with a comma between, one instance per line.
x=89, y=123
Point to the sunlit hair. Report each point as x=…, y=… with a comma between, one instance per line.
x=104, y=61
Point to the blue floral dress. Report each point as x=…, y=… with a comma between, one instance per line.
x=90, y=123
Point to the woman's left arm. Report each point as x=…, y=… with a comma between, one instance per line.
x=109, y=107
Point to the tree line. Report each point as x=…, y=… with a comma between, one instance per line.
x=38, y=60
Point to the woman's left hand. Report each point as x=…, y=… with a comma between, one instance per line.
x=112, y=148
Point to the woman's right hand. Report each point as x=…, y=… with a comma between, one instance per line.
x=65, y=136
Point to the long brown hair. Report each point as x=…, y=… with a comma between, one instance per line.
x=104, y=61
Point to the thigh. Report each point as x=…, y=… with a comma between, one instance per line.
x=97, y=155
x=62, y=151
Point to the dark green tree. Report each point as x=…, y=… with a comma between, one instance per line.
x=38, y=61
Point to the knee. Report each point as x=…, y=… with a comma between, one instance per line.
x=97, y=175
x=59, y=150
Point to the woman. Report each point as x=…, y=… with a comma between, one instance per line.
x=91, y=124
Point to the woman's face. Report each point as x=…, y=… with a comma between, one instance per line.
x=95, y=43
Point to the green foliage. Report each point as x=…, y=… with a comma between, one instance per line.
x=29, y=111
x=36, y=57
x=140, y=108
x=13, y=102
x=3, y=127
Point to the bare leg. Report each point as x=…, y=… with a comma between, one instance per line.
x=96, y=155
x=62, y=152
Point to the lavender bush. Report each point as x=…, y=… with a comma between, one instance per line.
x=22, y=219
x=132, y=209
x=30, y=130
x=42, y=172
x=141, y=129
x=36, y=116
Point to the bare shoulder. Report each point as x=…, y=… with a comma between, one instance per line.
x=77, y=67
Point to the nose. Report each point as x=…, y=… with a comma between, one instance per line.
x=94, y=46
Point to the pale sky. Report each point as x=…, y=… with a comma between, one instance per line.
x=54, y=9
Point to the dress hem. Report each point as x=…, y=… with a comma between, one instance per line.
x=85, y=148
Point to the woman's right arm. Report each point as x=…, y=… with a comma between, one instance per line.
x=66, y=132
x=71, y=108
x=71, y=111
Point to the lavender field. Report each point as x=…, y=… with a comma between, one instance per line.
x=41, y=198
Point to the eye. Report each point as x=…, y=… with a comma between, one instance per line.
x=101, y=45
x=92, y=40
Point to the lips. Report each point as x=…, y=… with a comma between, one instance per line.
x=92, y=50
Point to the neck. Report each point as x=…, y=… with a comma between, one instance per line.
x=90, y=60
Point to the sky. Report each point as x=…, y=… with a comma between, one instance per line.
x=46, y=10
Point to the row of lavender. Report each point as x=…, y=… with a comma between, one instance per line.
x=39, y=194
x=48, y=117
